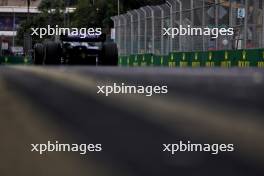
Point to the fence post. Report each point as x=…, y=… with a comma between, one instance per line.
x=192, y=22
x=162, y=36
x=171, y=22
x=180, y=11
x=141, y=33
x=216, y=20
x=125, y=34
x=145, y=30
x=245, y=24
x=138, y=31
x=131, y=32
x=203, y=23
x=152, y=29
x=262, y=25
x=119, y=32
x=230, y=21
x=180, y=38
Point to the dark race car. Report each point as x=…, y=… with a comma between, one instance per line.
x=75, y=50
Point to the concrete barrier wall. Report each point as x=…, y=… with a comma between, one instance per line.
x=5, y=60
x=226, y=59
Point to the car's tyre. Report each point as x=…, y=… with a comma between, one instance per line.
x=53, y=53
x=38, y=54
x=109, y=55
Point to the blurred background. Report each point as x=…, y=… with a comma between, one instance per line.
x=136, y=26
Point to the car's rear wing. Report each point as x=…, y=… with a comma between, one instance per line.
x=89, y=38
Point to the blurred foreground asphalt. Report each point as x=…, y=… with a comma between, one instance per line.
x=40, y=104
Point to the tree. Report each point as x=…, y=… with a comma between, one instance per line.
x=51, y=14
x=98, y=13
x=46, y=5
x=133, y=4
x=89, y=13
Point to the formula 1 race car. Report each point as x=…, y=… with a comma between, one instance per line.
x=75, y=50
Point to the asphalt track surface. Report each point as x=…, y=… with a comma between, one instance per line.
x=40, y=104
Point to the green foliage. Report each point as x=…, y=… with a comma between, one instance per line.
x=89, y=13
x=99, y=13
x=133, y=4
x=43, y=19
x=94, y=15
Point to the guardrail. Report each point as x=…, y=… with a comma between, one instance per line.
x=5, y=60
x=223, y=58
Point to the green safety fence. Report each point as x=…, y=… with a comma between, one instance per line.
x=7, y=60
x=226, y=59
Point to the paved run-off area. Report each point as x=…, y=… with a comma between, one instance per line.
x=40, y=104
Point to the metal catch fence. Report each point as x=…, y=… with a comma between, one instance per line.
x=140, y=31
